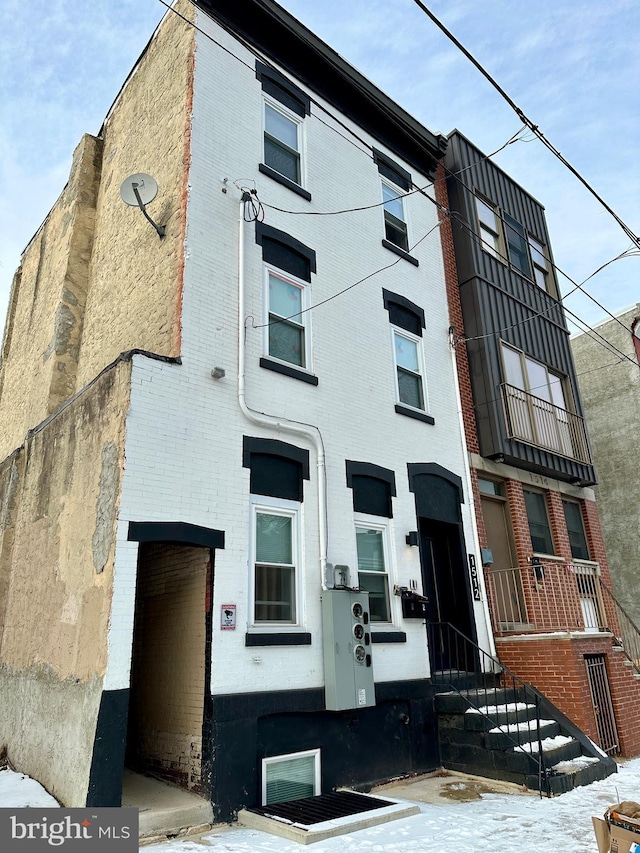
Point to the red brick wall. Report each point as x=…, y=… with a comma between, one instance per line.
x=455, y=314
x=556, y=667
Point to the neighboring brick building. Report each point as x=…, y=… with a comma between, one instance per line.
x=192, y=457
x=610, y=389
x=555, y=621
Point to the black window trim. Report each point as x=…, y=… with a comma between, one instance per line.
x=288, y=370
x=298, y=102
x=274, y=447
x=389, y=298
x=389, y=169
x=289, y=242
x=401, y=252
x=286, y=182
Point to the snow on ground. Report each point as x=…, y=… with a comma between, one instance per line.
x=507, y=823
x=18, y=790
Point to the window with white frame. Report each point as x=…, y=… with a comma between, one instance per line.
x=395, y=221
x=291, y=777
x=540, y=263
x=276, y=561
x=407, y=351
x=283, y=141
x=489, y=226
x=286, y=330
x=373, y=567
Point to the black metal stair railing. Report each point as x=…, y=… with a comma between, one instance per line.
x=490, y=689
x=629, y=634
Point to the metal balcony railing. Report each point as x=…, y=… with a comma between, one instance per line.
x=547, y=596
x=538, y=422
x=628, y=635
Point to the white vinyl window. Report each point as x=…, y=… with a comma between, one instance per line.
x=283, y=141
x=407, y=351
x=395, y=220
x=276, y=561
x=287, y=333
x=490, y=230
x=373, y=567
x=540, y=264
x=291, y=777
x=538, y=402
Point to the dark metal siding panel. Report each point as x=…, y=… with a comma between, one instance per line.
x=495, y=310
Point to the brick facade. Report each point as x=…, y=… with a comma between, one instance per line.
x=551, y=599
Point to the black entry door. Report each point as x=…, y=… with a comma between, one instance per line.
x=445, y=581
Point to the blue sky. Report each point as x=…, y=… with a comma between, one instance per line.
x=573, y=67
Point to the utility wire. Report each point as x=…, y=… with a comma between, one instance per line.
x=589, y=330
x=350, y=286
x=527, y=121
x=266, y=60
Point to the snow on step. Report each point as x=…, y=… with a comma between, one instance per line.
x=499, y=709
x=574, y=764
x=548, y=744
x=525, y=726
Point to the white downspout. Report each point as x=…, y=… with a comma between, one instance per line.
x=469, y=487
x=306, y=430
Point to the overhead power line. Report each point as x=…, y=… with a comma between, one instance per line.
x=530, y=124
x=516, y=137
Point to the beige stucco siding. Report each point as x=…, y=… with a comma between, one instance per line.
x=63, y=534
x=46, y=312
x=136, y=278
x=58, y=511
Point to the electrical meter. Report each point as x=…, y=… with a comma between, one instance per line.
x=347, y=650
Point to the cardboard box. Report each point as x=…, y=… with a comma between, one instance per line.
x=614, y=839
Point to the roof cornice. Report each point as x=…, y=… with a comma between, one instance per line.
x=280, y=37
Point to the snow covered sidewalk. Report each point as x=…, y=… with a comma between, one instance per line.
x=498, y=822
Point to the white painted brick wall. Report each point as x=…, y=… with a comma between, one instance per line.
x=184, y=433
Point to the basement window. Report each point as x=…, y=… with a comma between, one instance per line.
x=291, y=777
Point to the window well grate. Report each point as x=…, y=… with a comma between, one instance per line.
x=311, y=810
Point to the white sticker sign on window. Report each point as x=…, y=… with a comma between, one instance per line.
x=228, y=617
x=362, y=697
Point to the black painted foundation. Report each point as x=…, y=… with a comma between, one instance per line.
x=359, y=748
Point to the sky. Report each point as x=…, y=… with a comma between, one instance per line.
x=510, y=823
x=571, y=66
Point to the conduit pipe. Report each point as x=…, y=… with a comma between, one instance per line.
x=466, y=464
x=296, y=428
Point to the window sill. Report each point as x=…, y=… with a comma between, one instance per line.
x=282, y=638
x=398, y=251
x=286, y=182
x=288, y=370
x=414, y=413
x=388, y=637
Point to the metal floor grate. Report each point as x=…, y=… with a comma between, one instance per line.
x=312, y=810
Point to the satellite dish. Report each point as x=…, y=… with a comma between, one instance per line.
x=138, y=190
x=147, y=189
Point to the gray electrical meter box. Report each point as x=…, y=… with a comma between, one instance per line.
x=348, y=670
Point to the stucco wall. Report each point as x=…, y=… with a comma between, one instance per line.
x=46, y=311
x=56, y=583
x=135, y=278
x=610, y=390
x=96, y=280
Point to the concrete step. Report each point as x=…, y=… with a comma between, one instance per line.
x=503, y=737
x=490, y=717
x=457, y=702
x=567, y=775
x=165, y=810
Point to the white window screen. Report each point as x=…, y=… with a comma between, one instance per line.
x=291, y=778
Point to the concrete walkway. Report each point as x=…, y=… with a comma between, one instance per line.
x=165, y=810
